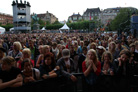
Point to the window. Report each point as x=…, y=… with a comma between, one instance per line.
x=80, y=18
x=74, y=18
x=92, y=14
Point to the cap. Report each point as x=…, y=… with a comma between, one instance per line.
x=100, y=47
x=65, y=53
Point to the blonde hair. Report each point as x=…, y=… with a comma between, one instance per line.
x=27, y=51
x=109, y=55
x=75, y=42
x=45, y=47
x=18, y=44
x=87, y=58
x=136, y=43
x=110, y=44
x=93, y=44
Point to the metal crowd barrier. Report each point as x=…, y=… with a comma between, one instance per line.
x=61, y=84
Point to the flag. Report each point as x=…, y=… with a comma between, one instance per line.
x=103, y=29
x=90, y=16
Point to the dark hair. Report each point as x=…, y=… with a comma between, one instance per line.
x=24, y=61
x=84, y=48
x=126, y=52
x=53, y=63
x=9, y=60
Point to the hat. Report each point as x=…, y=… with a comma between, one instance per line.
x=100, y=47
x=65, y=53
x=2, y=49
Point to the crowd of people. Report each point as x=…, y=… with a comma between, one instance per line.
x=26, y=57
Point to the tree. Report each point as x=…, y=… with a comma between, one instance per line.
x=122, y=19
x=56, y=22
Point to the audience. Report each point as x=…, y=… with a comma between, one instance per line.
x=55, y=55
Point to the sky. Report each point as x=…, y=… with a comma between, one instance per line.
x=62, y=9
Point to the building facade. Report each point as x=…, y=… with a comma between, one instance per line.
x=75, y=18
x=109, y=14
x=48, y=17
x=21, y=16
x=6, y=19
x=91, y=13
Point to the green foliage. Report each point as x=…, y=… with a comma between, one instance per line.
x=56, y=22
x=47, y=23
x=41, y=22
x=7, y=27
x=73, y=26
x=122, y=19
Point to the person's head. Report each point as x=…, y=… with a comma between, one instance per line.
x=136, y=45
x=123, y=38
x=101, y=50
x=26, y=53
x=104, y=43
x=46, y=49
x=40, y=48
x=84, y=49
x=132, y=47
x=26, y=65
x=66, y=54
x=75, y=44
x=54, y=45
x=61, y=48
x=125, y=55
x=40, y=42
x=2, y=52
x=93, y=46
x=110, y=39
x=81, y=43
x=65, y=39
x=115, y=36
x=107, y=57
x=17, y=46
x=71, y=48
x=112, y=46
x=91, y=40
x=118, y=43
x=31, y=43
x=92, y=55
x=69, y=41
x=49, y=59
x=1, y=41
x=7, y=62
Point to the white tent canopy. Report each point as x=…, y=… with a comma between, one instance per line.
x=12, y=29
x=2, y=30
x=43, y=28
x=65, y=27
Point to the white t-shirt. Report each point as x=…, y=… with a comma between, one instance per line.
x=68, y=64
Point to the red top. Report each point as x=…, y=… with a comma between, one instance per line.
x=67, y=46
x=21, y=62
x=98, y=71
